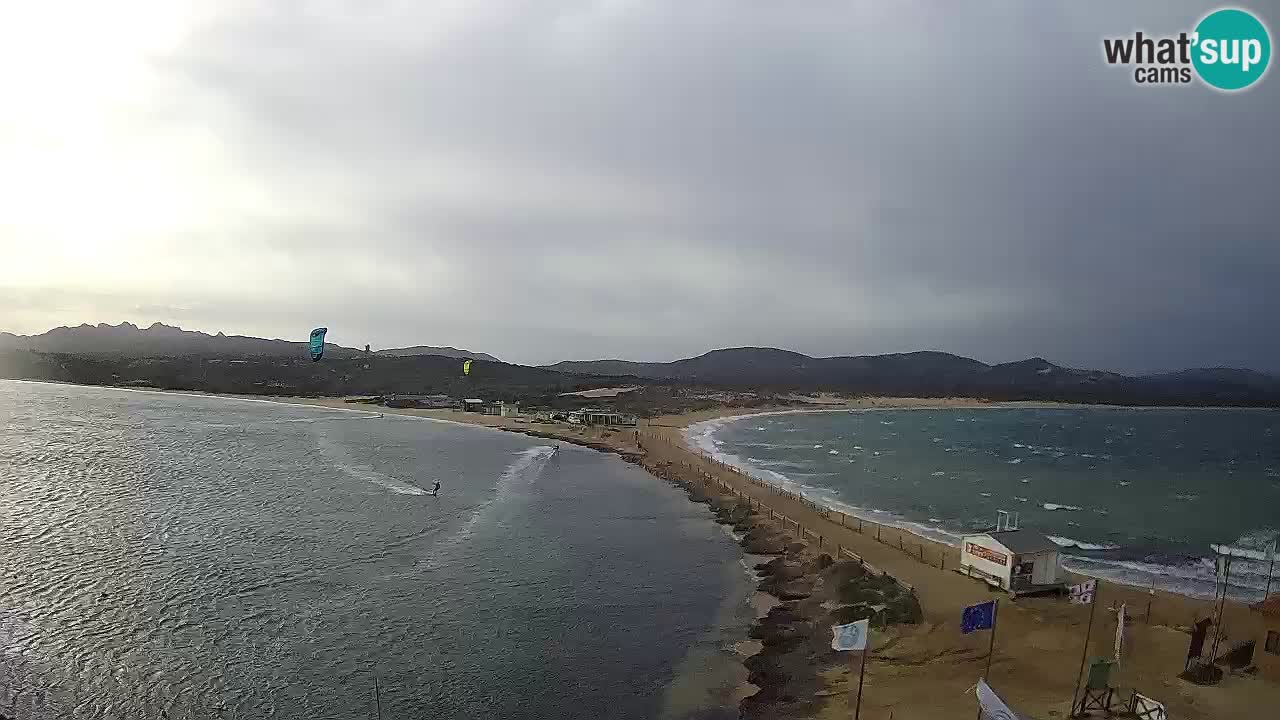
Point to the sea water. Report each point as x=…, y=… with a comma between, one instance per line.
x=1134, y=495
x=211, y=557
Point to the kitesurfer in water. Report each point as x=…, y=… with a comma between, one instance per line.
x=435, y=490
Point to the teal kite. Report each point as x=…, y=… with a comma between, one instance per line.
x=317, y=343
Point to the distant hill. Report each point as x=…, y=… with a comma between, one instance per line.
x=429, y=350
x=942, y=374
x=175, y=358
x=771, y=366
x=161, y=340
x=366, y=375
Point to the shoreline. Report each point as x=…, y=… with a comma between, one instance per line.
x=921, y=531
x=931, y=666
x=922, y=670
x=1043, y=674
x=592, y=439
x=1038, y=678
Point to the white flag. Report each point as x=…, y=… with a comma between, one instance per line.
x=849, y=637
x=1082, y=594
x=1119, y=631
x=993, y=708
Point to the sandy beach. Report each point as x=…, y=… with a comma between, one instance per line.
x=925, y=671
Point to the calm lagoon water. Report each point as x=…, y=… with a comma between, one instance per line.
x=214, y=557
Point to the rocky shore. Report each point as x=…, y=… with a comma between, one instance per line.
x=814, y=590
x=916, y=670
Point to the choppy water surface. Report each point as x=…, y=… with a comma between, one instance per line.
x=222, y=558
x=1136, y=495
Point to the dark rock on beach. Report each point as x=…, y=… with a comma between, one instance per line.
x=762, y=541
x=780, y=568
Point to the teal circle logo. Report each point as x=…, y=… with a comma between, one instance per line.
x=1232, y=49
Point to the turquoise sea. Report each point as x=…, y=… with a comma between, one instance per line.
x=1134, y=495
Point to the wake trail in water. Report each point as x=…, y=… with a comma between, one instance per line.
x=524, y=470
x=334, y=452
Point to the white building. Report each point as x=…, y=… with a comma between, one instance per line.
x=1017, y=561
x=502, y=409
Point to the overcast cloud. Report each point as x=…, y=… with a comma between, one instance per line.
x=569, y=179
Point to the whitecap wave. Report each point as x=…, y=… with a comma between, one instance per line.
x=1193, y=577
x=1067, y=542
x=1242, y=552
x=1057, y=506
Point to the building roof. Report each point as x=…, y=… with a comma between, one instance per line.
x=1270, y=606
x=1023, y=542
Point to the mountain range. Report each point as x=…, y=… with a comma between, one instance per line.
x=160, y=340
x=942, y=374
x=103, y=355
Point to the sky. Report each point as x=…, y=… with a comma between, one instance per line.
x=581, y=179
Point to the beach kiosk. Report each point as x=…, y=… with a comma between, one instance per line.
x=1016, y=561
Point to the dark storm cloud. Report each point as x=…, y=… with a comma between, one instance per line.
x=552, y=180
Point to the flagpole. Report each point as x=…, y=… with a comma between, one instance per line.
x=995, y=611
x=1217, y=631
x=1085, y=652
x=1274, y=544
x=862, y=671
x=991, y=648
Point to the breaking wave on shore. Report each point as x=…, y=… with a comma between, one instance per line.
x=942, y=505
